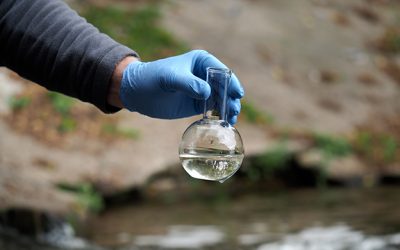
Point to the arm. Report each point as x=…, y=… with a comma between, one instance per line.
x=47, y=42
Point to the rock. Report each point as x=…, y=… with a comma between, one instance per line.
x=348, y=167
x=339, y=168
x=391, y=170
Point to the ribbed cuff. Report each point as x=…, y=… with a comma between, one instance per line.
x=102, y=79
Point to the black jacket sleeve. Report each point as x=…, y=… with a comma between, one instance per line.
x=47, y=42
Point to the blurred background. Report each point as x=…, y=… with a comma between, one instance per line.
x=320, y=123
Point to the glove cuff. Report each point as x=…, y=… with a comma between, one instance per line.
x=128, y=85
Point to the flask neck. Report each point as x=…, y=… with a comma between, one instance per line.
x=215, y=107
x=213, y=115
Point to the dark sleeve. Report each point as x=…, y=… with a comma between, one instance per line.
x=48, y=43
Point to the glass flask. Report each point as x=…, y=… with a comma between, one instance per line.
x=211, y=148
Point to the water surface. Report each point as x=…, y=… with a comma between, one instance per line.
x=335, y=219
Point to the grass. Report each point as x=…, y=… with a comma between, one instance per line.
x=363, y=141
x=18, y=103
x=332, y=146
x=390, y=147
x=87, y=196
x=379, y=148
x=113, y=129
x=138, y=29
x=61, y=103
x=67, y=124
x=272, y=160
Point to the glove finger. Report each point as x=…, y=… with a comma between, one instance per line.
x=191, y=85
x=233, y=107
x=208, y=60
x=235, y=88
x=232, y=120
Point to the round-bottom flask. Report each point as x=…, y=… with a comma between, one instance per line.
x=212, y=149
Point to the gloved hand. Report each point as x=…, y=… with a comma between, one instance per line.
x=174, y=87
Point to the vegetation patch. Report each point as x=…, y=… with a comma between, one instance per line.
x=61, y=103
x=138, y=29
x=18, y=103
x=267, y=164
x=88, y=198
x=379, y=144
x=377, y=148
x=332, y=146
x=52, y=117
x=113, y=130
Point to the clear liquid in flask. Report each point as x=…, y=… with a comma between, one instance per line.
x=208, y=164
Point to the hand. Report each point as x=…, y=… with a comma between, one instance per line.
x=174, y=87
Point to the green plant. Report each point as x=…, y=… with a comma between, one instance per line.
x=390, y=147
x=377, y=147
x=253, y=115
x=67, y=124
x=364, y=142
x=275, y=158
x=138, y=29
x=87, y=196
x=18, y=103
x=113, y=129
x=266, y=164
x=61, y=103
x=332, y=146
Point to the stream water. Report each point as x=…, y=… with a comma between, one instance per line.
x=335, y=219
x=339, y=219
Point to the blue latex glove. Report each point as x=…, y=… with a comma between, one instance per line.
x=174, y=87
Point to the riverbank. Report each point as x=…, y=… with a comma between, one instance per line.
x=321, y=107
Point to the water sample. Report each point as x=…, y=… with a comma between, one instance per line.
x=212, y=149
